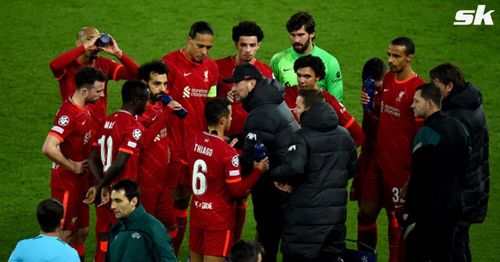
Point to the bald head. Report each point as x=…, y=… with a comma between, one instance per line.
x=86, y=33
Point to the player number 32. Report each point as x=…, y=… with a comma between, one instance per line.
x=199, y=180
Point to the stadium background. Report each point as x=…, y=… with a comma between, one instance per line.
x=34, y=32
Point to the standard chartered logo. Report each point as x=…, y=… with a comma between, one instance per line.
x=187, y=92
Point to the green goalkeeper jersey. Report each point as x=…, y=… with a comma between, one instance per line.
x=282, y=66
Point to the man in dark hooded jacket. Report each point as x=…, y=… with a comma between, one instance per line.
x=271, y=123
x=319, y=162
x=463, y=101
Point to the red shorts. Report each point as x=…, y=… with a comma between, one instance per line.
x=105, y=218
x=210, y=243
x=178, y=175
x=161, y=206
x=76, y=213
x=383, y=186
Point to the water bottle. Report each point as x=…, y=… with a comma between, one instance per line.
x=181, y=113
x=103, y=40
x=370, y=90
x=259, y=151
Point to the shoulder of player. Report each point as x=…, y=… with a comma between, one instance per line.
x=264, y=69
x=280, y=55
x=426, y=136
x=327, y=58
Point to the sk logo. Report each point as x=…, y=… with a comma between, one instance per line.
x=474, y=17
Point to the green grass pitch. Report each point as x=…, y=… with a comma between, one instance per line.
x=34, y=32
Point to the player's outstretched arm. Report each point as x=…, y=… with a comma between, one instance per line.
x=58, y=65
x=242, y=187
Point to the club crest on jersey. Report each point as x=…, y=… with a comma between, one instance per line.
x=63, y=120
x=401, y=94
x=205, y=74
x=235, y=161
x=137, y=134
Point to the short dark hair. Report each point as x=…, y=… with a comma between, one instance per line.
x=200, y=27
x=49, y=213
x=313, y=62
x=155, y=66
x=247, y=28
x=430, y=92
x=300, y=19
x=86, y=76
x=374, y=68
x=311, y=96
x=215, y=109
x=245, y=251
x=130, y=187
x=133, y=89
x=447, y=73
x=406, y=42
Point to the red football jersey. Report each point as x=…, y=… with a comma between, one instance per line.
x=154, y=157
x=212, y=164
x=120, y=132
x=65, y=66
x=74, y=128
x=190, y=84
x=397, y=125
x=226, y=67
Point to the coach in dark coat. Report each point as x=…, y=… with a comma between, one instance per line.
x=270, y=122
x=463, y=101
x=320, y=161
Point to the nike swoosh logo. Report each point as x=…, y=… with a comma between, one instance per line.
x=83, y=123
x=385, y=89
x=287, y=69
x=186, y=74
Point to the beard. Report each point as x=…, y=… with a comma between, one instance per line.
x=301, y=48
x=156, y=97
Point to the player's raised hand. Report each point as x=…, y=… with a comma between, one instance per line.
x=233, y=142
x=112, y=48
x=174, y=105
x=263, y=165
x=90, y=44
x=230, y=96
x=364, y=98
x=90, y=196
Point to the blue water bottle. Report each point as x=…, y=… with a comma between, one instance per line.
x=103, y=40
x=181, y=113
x=370, y=90
x=259, y=151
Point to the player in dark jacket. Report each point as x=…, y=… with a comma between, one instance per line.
x=270, y=122
x=319, y=162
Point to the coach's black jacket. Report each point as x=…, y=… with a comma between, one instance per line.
x=271, y=122
x=440, y=155
x=465, y=105
x=319, y=162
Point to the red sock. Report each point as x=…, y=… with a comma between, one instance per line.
x=394, y=238
x=367, y=235
x=101, y=249
x=80, y=249
x=239, y=221
x=181, y=217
